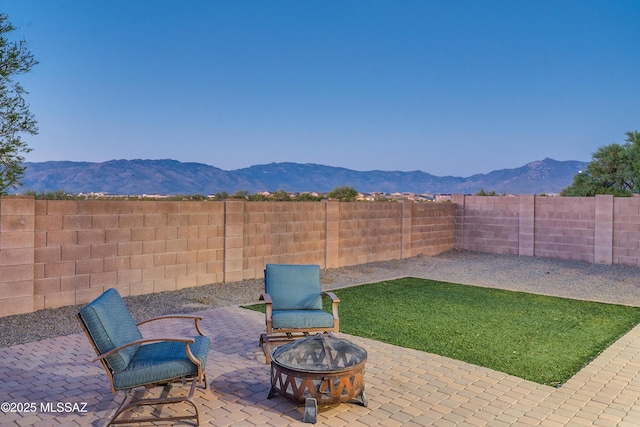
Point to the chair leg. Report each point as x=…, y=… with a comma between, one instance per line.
x=158, y=401
x=265, y=344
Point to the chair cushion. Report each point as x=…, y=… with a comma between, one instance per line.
x=293, y=286
x=162, y=362
x=301, y=319
x=110, y=325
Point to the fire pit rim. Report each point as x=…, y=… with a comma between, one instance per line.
x=323, y=370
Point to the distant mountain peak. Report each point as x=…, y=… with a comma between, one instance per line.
x=167, y=176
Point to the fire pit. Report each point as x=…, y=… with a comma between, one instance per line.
x=321, y=369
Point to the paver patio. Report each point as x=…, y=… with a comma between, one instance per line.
x=403, y=386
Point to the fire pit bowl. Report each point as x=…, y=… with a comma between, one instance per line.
x=321, y=367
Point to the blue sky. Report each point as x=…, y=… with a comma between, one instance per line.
x=448, y=87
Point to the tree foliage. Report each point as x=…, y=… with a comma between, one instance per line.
x=15, y=117
x=614, y=169
x=281, y=196
x=344, y=194
x=481, y=192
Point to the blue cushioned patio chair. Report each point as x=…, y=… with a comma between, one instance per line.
x=293, y=305
x=132, y=361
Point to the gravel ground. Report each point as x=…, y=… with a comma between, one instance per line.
x=612, y=284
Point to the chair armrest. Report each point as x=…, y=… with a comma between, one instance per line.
x=268, y=311
x=266, y=298
x=196, y=319
x=334, y=297
x=185, y=340
x=268, y=302
x=334, y=308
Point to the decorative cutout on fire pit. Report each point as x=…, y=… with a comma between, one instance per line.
x=321, y=367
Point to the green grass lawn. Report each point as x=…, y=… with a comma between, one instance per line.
x=538, y=338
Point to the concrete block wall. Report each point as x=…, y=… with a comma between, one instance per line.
x=565, y=228
x=56, y=253
x=488, y=223
x=626, y=231
x=16, y=255
x=366, y=235
x=431, y=226
x=85, y=247
x=602, y=229
x=282, y=233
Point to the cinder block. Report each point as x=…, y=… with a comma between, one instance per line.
x=62, y=207
x=13, y=306
x=16, y=289
x=171, y=206
x=197, y=244
x=143, y=234
x=131, y=221
x=75, y=252
x=16, y=273
x=188, y=232
x=104, y=250
x=74, y=283
x=59, y=299
x=118, y=235
x=11, y=240
x=186, y=282
x=46, y=286
x=129, y=276
x=91, y=236
x=163, y=285
x=39, y=239
x=164, y=259
x=141, y=288
x=129, y=248
x=16, y=256
x=124, y=289
x=199, y=219
x=99, y=207
x=38, y=303
x=153, y=274
x=233, y=276
x=17, y=205
x=234, y=206
x=76, y=222
x=203, y=256
x=177, y=220
x=186, y=258
x=85, y=296
x=117, y=263
x=88, y=266
x=62, y=238
x=176, y=245
x=141, y=261
x=196, y=269
x=176, y=271
x=153, y=247
x=17, y=223
x=38, y=271
x=217, y=268
x=155, y=220
x=166, y=233
x=105, y=279
x=208, y=231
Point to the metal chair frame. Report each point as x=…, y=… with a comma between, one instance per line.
x=129, y=402
x=274, y=337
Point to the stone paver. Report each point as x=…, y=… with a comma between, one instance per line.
x=404, y=386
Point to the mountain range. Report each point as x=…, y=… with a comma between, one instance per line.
x=173, y=177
